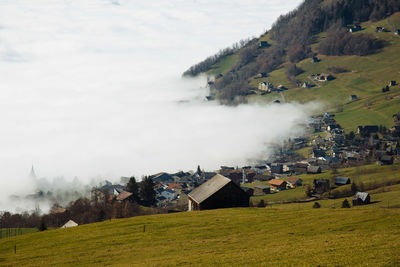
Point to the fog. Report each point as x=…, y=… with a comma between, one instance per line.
x=93, y=89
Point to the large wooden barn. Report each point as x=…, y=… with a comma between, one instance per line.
x=218, y=192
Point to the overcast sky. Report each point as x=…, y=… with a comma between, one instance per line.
x=93, y=87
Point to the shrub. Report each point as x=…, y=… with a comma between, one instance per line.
x=316, y=205
x=261, y=204
x=345, y=204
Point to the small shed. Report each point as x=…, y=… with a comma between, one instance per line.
x=392, y=83
x=342, y=181
x=313, y=169
x=69, y=224
x=260, y=190
x=218, y=192
x=361, y=198
x=353, y=97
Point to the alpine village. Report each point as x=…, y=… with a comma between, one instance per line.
x=330, y=197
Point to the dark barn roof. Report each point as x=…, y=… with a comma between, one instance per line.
x=342, y=180
x=208, y=188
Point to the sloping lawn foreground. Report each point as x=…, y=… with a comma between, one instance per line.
x=228, y=237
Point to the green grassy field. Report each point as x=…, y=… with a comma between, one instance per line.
x=279, y=236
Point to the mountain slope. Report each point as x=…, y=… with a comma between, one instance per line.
x=364, y=76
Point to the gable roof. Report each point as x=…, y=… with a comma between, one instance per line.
x=361, y=195
x=124, y=195
x=208, y=188
x=70, y=223
x=293, y=180
x=276, y=182
x=342, y=180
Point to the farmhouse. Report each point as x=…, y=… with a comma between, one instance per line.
x=263, y=44
x=321, y=186
x=323, y=77
x=361, y=198
x=300, y=167
x=277, y=185
x=342, y=181
x=218, y=192
x=69, y=224
x=313, y=169
x=260, y=190
x=125, y=196
x=293, y=182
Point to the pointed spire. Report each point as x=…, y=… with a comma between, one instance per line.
x=32, y=174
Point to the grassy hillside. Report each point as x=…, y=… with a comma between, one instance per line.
x=280, y=236
x=365, y=78
x=371, y=176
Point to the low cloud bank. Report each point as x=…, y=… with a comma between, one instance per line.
x=92, y=89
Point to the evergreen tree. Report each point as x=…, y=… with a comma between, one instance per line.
x=345, y=204
x=132, y=186
x=147, y=192
x=354, y=188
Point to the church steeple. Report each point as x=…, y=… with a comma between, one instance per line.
x=32, y=174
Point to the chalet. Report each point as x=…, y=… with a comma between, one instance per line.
x=277, y=185
x=263, y=44
x=125, y=196
x=260, y=190
x=318, y=153
x=313, y=169
x=293, y=182
x=69, y=224
x=392, y=83
x=361, y=198
x=397, y=32
x=354, y=28
x=261, y=75
x=265, y=86
x=321, y=186
x=276, y=168
x=339, y=181
x=300, y=167
x=262, y=177
x=369, y=129
x=323, y=77
x=281, y=87
x=306, y=85
x=236, y=176
x=386, y=160
x=218, y=192
x=380, y=29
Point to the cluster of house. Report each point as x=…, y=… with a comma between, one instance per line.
x=357, y=28
x=335, y=149
x=387, y=87
x=267, y=87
